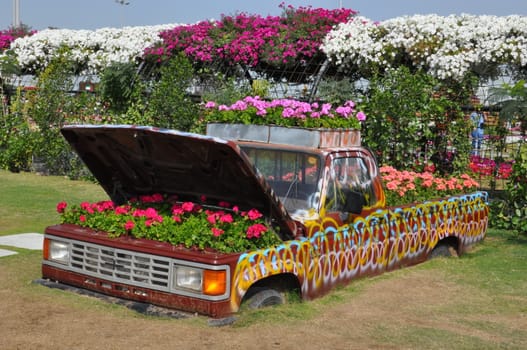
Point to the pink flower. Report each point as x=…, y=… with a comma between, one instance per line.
x=188, y=206
x=254, y=214
x=82, y=218
x=177, y=210
x=157, y=198
x=87, y=207
x=211, y=219
x=392, y=185
x=61, y=207
x=151, y=213
x=217, y=231
x=344, y=111
x=129, y=225
x=138, y=213
x=256, y=230
x=361, y=116
x=427, y=183
x=121, y=211
x=227, y=218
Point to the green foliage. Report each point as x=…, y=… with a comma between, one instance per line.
x=337, y=91
x=16, y=147
x=117, y=86
x=50, y=106
x=9, y=63
x=413, y=118
x=511, y=212
x=170, y=105
x=260, y=87
x=49, y=102
x=16, y=137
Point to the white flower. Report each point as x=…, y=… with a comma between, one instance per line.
x=446, y=47
x=93, y=50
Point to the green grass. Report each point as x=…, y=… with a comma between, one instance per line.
x=488, y=285
x=28, y=201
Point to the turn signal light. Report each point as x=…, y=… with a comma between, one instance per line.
x=214, y=282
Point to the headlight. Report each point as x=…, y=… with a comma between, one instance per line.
x=56, y=251
x=188, y=278
x=203, y=281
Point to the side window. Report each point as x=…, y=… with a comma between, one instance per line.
x=352, y=174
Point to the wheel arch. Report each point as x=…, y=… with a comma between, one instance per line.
x=448, y=246
x=283, y=283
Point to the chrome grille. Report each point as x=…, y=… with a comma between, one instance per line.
x=121, y=265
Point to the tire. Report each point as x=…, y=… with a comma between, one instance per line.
x=264, y=298
x=442, y=250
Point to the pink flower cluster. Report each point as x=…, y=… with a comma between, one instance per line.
x=277, y=111
x=252, y=39
x=157, y=216
x=408, y=186
x=487, y=167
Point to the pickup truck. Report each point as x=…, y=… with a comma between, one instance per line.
x=320, y=190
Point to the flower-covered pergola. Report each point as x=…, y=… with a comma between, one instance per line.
x=294, y=46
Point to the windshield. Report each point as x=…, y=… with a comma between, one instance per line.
x=293, y=175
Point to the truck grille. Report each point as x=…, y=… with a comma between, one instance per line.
x=121, y=265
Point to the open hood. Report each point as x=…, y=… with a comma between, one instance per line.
x=130, y=161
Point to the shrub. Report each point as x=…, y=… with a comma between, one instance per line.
x=511, y=212
x=414, y=123
x=403, y=187
x=116, y=86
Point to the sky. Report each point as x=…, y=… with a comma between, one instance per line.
x=95, y=14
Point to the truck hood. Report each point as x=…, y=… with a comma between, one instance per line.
x=130, y=161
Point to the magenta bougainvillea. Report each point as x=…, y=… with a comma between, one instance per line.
x=9, y=35
x=253, y=40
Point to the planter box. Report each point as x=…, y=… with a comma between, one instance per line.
x=294, y=136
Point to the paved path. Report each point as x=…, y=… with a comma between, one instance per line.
x=24, y=240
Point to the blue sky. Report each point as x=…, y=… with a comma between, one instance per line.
x=93, y=14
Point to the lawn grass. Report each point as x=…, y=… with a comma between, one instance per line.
x=28, y=201
x=488, y=285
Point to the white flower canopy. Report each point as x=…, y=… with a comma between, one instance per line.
x=445, y=47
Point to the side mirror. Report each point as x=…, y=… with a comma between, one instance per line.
x=354, y=202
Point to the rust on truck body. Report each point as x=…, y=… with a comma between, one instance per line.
x=296, y=183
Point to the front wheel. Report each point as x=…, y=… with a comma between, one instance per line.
x=443, y=250
x=264, y=298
